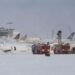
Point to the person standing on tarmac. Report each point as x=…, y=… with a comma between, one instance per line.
x=47, y=49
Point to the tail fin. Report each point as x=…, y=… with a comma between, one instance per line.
x=71, y=36
x=17, y=36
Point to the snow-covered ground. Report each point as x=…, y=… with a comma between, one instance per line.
x=28, y=64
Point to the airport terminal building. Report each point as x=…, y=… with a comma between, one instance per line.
x=6, y=32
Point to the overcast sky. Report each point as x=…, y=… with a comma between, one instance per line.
x=38, y=17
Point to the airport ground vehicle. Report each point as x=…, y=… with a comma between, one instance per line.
x=41, y=49
x=62, y=49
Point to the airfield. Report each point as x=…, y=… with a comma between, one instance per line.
x=29, y=64
x=16, y=58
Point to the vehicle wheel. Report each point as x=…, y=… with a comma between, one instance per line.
x=33, y=52
x=73, y=50
x=47, y=54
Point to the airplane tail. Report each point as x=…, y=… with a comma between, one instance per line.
x=17, y=36
x=71, y=36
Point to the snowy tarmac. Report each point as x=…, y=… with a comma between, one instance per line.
x=28, y=64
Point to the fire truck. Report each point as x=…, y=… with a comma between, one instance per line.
x=62, y=49
x=41, y=49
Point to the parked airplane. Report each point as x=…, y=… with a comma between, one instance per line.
x=11, y=44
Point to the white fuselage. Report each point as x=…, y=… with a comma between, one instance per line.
x=6, y=44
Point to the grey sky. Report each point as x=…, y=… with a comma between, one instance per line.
x=38, y=17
